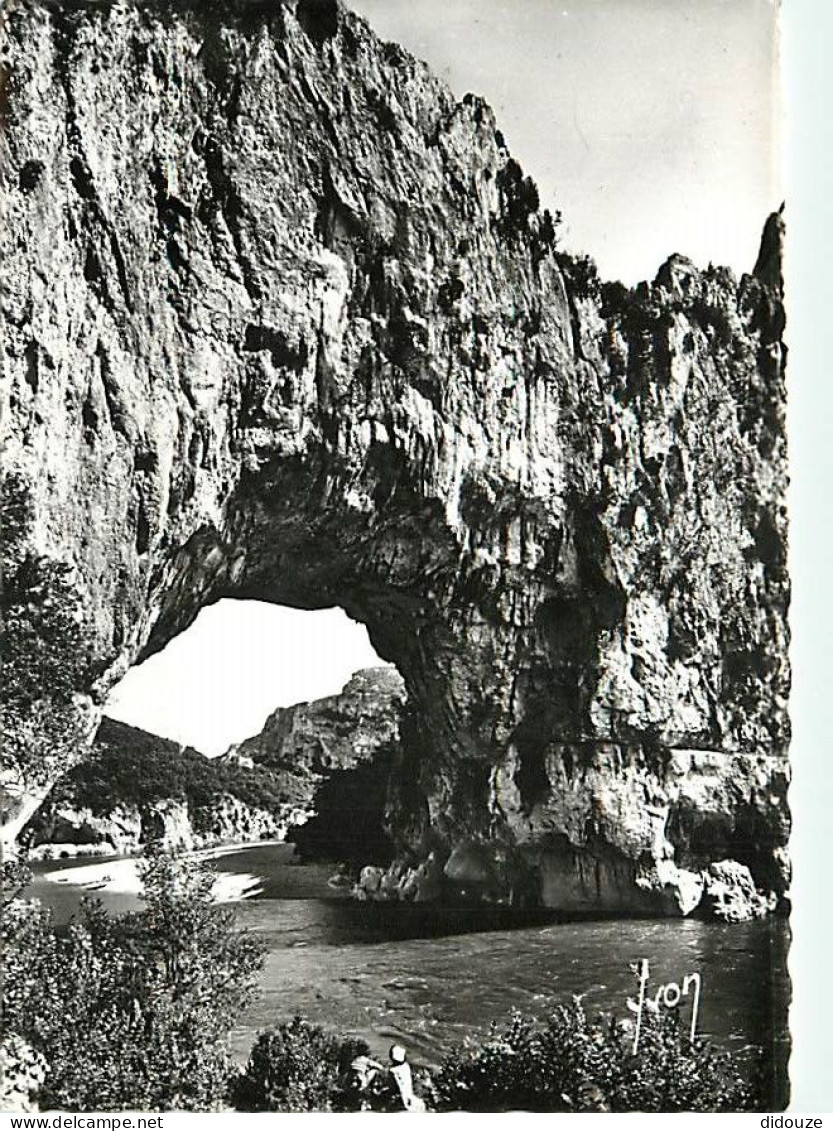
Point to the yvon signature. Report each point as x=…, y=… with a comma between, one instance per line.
x=668, y=995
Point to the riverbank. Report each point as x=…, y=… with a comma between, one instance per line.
x=119, y=875
x=428, y=976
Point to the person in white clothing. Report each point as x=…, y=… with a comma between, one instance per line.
x=402, y=1075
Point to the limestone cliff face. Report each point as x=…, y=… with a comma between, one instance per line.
x=337, y=761
x=284, y=321
x=69, y=830
x=301, y=744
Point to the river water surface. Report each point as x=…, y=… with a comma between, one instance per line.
x=429, y=977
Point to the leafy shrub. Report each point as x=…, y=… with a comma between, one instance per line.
x=15, y=876
x=581, y=273
x=131, y=1011
x=519, y=202
x=573, y=1063
x=298, y=1067
x=44, y=663
x=639, y=310
x=567, y=1063
x=22, y=1071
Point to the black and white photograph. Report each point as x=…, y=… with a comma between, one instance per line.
x=396, y=559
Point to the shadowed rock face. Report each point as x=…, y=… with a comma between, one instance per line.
x=336, y=758
x=283, y=322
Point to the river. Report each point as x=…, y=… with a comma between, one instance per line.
x=427, y=977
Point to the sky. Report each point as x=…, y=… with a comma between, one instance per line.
x=217, y=682
x=652, y=126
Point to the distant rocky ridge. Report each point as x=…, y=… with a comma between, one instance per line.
x=309, y=740
x=336, y=757
x=138, y=787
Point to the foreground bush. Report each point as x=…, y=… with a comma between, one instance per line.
x=298, y=1067
x=568, y=1063
x=22, y=1072
x=131, y=1011
x=571, y=1063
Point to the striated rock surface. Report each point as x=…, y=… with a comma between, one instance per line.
x=302, y=744
x=283, y=320
x=66, y=830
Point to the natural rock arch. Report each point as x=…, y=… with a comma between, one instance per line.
x=285, y=321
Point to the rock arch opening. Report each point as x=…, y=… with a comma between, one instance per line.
x=257, y=722
x=216, y=683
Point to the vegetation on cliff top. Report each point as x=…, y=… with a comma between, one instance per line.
x=128, y=766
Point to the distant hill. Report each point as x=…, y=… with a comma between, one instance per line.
x=133, y=766
x=137, y=787
x=336, y=732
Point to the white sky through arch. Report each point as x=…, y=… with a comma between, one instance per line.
x=217, y=682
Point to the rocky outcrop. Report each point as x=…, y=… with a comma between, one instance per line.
x=305, y=743
x=730, y=893
x=284, y=321
x=615, y=828
x=423, y=883
x=337, y=760
x=673, y=832
x=128, y=829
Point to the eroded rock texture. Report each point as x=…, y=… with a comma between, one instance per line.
x=283, y=320
x=337, y=760
x=308, y=740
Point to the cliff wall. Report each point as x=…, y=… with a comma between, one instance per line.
x=338, y=760
x=284, y=320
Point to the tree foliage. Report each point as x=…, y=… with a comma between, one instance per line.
x=573, y=1063
x=582, y=275
x=131, y=1011
x=298, y=1066
x=129, y=766
x=44, y=663
x=569, y=1062
x=45, y=659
